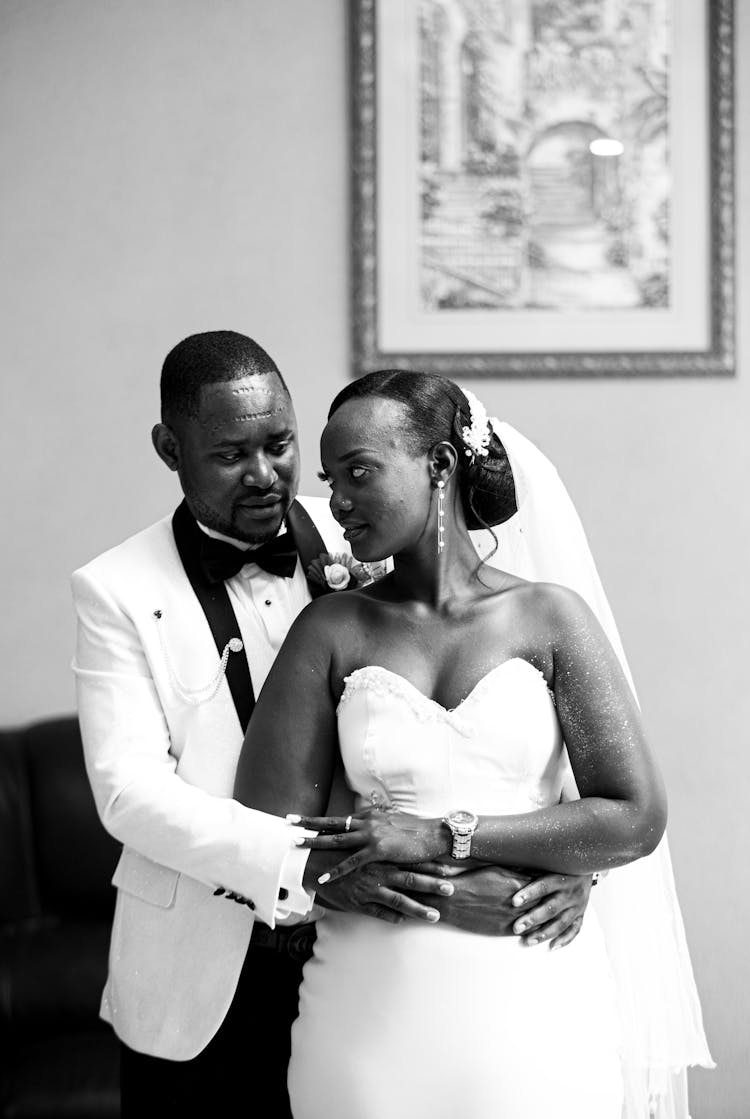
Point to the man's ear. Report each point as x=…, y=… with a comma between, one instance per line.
x=443, y=459
x=166, y=445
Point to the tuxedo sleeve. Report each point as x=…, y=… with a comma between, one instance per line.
x=140, y=796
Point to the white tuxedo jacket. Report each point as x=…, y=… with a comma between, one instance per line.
x=162, y=772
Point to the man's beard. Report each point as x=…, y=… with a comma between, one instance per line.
x=214, y=520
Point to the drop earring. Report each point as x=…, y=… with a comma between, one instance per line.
x=441, y=516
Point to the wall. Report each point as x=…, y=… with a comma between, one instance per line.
x=173, y=166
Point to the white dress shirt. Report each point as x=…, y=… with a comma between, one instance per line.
x=265, y=606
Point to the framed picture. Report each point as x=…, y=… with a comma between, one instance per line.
x=543, y=187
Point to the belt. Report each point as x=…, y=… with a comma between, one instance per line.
x=293, y=940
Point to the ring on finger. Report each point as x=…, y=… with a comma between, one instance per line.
x=348, y=824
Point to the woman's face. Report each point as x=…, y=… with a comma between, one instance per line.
x=380, y=493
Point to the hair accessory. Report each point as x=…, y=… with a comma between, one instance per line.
x=477, y=436
x=441, y=516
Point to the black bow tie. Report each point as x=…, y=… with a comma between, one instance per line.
x=221, y=561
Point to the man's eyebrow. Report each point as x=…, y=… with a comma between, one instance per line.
x=281, y=433
x=239, y=439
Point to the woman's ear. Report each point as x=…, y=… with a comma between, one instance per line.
x=443, y=460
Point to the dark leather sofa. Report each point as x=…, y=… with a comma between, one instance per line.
x=57, y=1058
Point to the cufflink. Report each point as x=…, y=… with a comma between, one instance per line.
x=230, y=896
x=241, y=900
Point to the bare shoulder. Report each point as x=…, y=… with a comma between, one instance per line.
x=559, y=607
x=328, y=617
x=576, y=635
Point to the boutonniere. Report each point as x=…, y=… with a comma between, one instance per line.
x=342, y=573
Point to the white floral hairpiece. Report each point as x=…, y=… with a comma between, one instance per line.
x=477, y=436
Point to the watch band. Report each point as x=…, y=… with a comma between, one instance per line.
x=462, y=825
x=461, y=846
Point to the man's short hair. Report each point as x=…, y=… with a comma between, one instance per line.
x=207, y=359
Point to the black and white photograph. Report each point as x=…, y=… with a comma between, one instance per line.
x=376, y=616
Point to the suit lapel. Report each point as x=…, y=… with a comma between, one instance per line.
x=308, y=542
x=214, y=601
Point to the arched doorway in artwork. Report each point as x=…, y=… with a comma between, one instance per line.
x=567, y=183
x=576, y=251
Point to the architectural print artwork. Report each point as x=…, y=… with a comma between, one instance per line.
x=527, y=200
x=544, y=186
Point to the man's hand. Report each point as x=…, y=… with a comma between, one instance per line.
x=384, y=891
x=469, y=895
x=499, y=902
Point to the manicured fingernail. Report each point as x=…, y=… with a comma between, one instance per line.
x=554, y=947
x=532, y=940
x=298, y=841
x=446, y=888
x=323, y=879
x=433, y=915
x=292, y=818
x=520, y=926
x=516, y=901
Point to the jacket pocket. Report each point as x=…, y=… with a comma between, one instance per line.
x=145, y=879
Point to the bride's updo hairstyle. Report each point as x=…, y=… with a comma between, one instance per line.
x=437, y=412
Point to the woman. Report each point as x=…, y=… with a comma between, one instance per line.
x=450, y=685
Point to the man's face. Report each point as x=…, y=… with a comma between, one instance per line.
x=238, y=460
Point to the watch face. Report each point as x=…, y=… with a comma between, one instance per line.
x=462, y=819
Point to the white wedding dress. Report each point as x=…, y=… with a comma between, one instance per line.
x=418, y=1020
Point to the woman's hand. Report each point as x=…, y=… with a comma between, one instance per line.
x=374, y=835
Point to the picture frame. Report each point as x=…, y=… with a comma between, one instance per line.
x=463, y=260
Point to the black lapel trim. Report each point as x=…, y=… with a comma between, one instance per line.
x=220, y=616
x=308, y=542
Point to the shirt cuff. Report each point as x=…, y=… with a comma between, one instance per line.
x=297, y=901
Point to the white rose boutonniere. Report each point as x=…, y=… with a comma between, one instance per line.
x=337, y=576
x=342, y=573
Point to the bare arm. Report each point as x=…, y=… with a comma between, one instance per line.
x=622, y=811
x=621, y=815
x=288, y=758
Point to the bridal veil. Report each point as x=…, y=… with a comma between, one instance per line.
x=661, y=1023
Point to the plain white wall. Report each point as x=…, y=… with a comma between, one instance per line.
x=171, y=166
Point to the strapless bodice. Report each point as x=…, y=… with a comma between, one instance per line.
x=499, y=751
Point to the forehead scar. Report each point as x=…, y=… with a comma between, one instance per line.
x=245, y=417
x=257, y=415
x=243, y=390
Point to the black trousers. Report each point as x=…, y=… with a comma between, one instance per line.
x=243, y=1065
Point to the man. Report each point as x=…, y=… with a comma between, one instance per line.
x=177, y=629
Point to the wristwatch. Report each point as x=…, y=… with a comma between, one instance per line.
x=462, y=825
